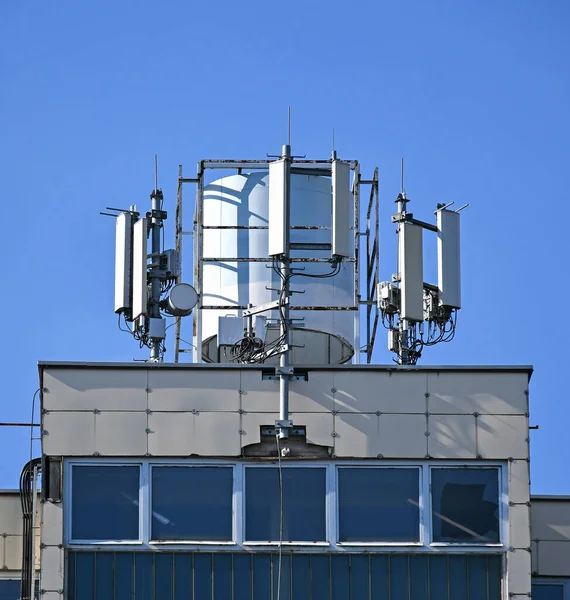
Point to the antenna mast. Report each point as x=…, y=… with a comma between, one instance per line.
x=156, y=217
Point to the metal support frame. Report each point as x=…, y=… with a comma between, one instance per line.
x=320, y=167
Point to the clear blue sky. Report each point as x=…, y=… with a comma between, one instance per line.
x=475, y=95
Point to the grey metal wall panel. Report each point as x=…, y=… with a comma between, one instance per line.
x=232, y=576
x=519, y=481
x=89, y=389
x=12, y=552
x=386, y=392
x=51, y=523
x=452, y=436
x=519, y=572
x=551, y=520
x=370, y=435
x=68, y=433
x=519, y=535
x=482, y=393
x=52, y=571
x=502, y=436
x=194, y=390
x=121, y=433
x=202, y=434
x=553, y=558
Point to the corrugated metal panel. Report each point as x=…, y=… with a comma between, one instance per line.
x=229, y=576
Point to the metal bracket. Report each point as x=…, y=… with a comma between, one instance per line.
x=284, y=424
x=284, y=370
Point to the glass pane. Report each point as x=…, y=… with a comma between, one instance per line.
x=547, y=591
x=378, y=505
x=304, y=509
x=192, y=503
x=105, y=503
x=465, y=505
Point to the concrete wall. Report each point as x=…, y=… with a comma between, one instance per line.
x=550, y=528
x=358, y=411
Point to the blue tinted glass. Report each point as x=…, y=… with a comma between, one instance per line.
x=378, y=505
x=9, y=589
x=465, y=505
x=105, y=503
x=304, y=508
x=192, y=503
x=547, y=591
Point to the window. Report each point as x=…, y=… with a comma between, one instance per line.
x=548, y=591
x=302, y=512
x=465, y=505
x=192, y=503
x=105, y=502
x=241, y=505
x=378, y=505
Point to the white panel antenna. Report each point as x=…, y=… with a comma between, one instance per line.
x=448, y=258
x=340, y=208
x=140, y=289
x=278, y=209
x=123, y=262
x=410, y=260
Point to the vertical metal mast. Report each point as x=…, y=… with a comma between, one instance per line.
x=155, y=228
x=401, y=201
x=284, y=367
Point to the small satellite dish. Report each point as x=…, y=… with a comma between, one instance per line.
x=182, y=300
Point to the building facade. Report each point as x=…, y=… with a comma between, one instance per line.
x=168, y=481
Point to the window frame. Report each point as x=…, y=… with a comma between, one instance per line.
x=502, y=502
x=68, y=531
x=331, y=506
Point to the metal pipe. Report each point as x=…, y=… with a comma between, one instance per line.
x=33, y=528
x=178, y=242
x=285, y=323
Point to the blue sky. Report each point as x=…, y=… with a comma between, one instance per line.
x=474, y=95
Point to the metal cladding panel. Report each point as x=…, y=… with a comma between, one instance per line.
x=278, y=209
x=320, y=427
x=90, y=389
x=452, y=436
x=288, y=576
x=123, y=262
x=68, y=433
x=52, y=571
x=51, y=523
x=502, y=436
x=519, y=526
x=251, y=423
x=12, y=552
x=194, y=390
x=554, y=558
x=387, y=436
x=384, y=392
x=519, y=572
x=482, y=393
x=341, y=202
x=534, y=556
x=410, y=261
x=448, y=258
x=139, y=268
x=121, y=433
x=202, y=434
x=262, y=395
x=551, y=520
x=10, y=514
x=519, y=481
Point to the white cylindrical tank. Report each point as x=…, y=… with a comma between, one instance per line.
x=243, y=200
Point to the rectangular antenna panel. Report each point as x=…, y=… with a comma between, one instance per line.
x=278, y=209
x=139, y=268
x=123, y=262
x=448, y=259
x=410, y=261
x=340, y=208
